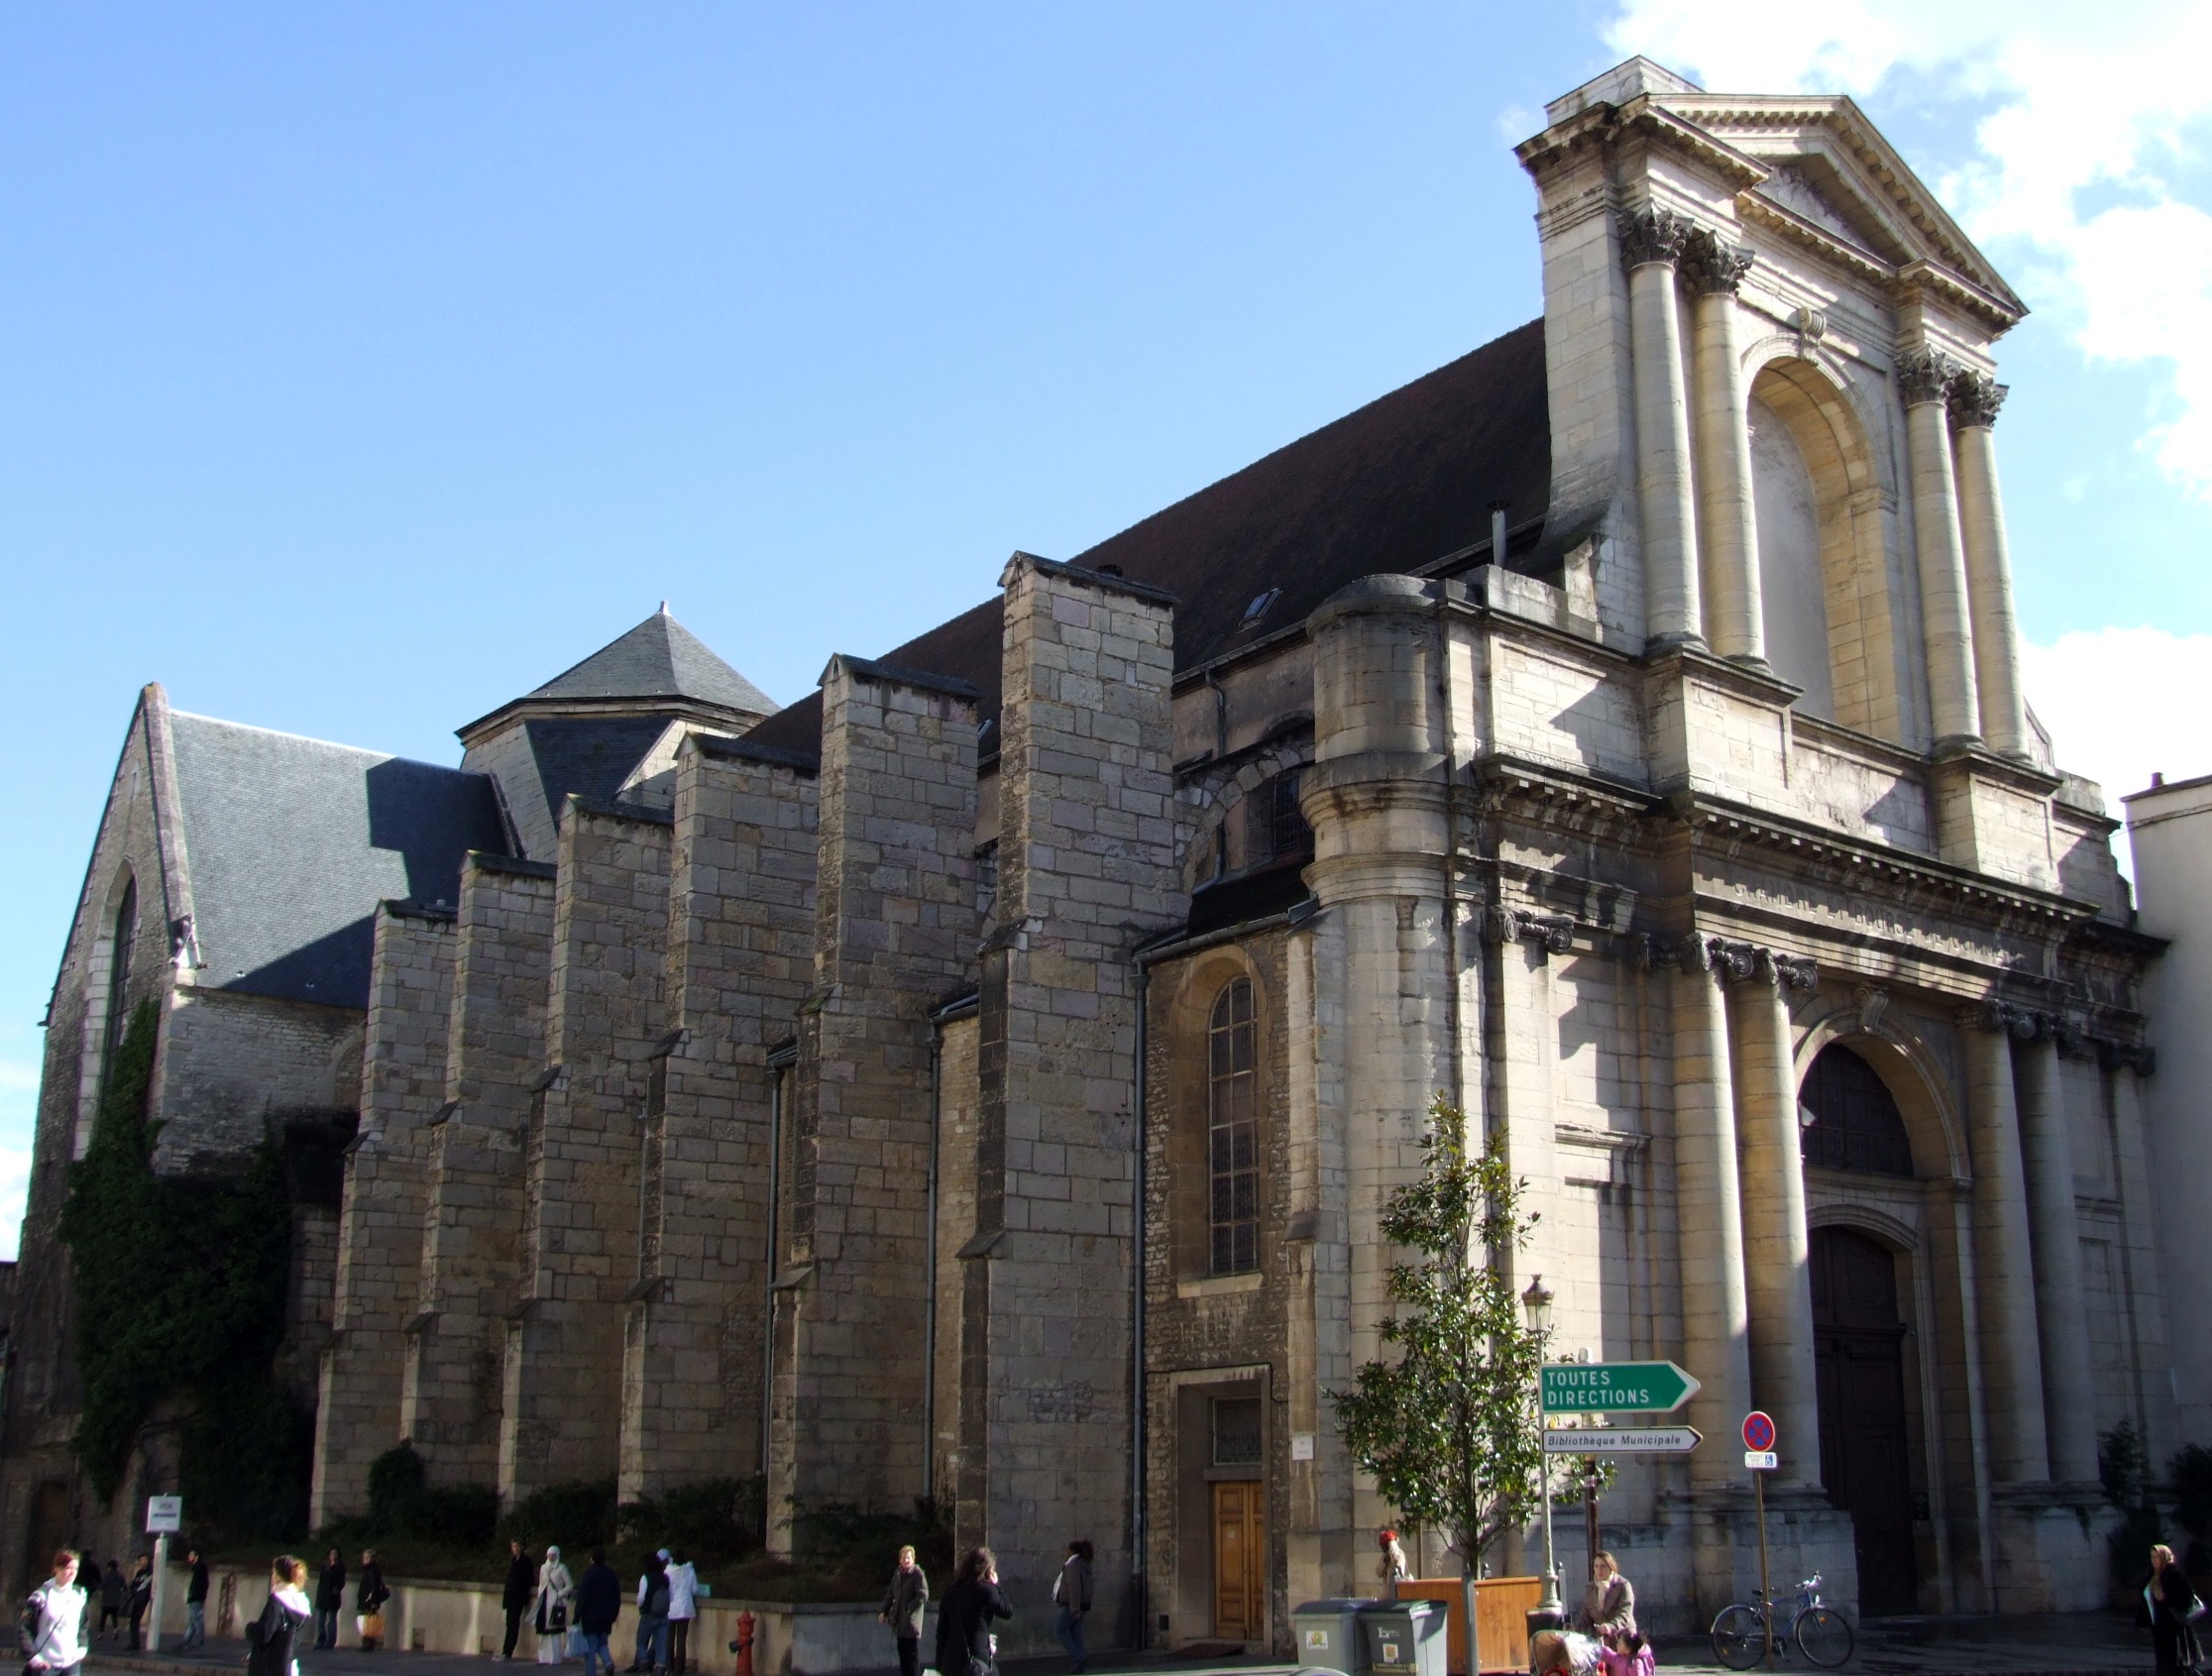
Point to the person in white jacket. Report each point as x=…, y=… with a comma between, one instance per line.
x=54, y=1633
x=683, y=1608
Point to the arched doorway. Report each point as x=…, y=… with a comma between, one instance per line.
x=1859, y=1345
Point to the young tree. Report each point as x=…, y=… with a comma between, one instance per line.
x=1447, y=1425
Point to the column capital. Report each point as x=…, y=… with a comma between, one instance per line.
x=1651, y=235
x=1925, y=375
x=1554, y=934
x=2138, y=1056
x=1710, y=266
x=1998, y=1018
x=1975, y=398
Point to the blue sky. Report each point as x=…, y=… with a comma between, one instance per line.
x=364, y=367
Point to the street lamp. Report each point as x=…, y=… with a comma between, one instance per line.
x=1536, y=1304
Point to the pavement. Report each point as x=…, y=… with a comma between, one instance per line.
x=2100, y=1644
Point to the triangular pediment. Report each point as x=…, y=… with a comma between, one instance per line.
x=1830, y=173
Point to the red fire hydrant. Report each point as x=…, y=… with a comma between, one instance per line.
x=744, y=1646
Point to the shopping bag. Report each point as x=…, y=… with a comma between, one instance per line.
x=371, y=1625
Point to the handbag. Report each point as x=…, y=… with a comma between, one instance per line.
x=556, y=1617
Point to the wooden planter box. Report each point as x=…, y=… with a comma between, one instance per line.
x=1502, y=1607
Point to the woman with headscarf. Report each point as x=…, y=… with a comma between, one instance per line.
x=555, y=1590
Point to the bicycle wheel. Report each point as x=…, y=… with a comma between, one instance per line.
x=1823, y=1637
x=1739, y=1640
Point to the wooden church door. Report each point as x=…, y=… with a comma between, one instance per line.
x=1240, y=1562
x=1859, y=1357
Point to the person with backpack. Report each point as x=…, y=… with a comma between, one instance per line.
x=652, y=1615
x=56, y=1630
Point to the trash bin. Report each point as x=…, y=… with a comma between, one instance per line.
x=1328, y=1635
x=1407, y=1636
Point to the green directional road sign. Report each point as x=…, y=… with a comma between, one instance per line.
x=1641, y=1388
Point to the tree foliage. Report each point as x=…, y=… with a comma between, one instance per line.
x=180, y=1293
x=1447, y=1424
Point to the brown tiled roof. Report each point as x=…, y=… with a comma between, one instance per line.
x=1394, y=487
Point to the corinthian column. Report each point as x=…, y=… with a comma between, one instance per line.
x=1714, y=1317
x=1651, y=242
x=1922, y=380
x=1975, y=398
x=2004, y=1271
x=1777, y=1250
x=1727, y=530
x=2070, y=1404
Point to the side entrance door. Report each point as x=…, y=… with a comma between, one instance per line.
x=1859, y=1357
x=1240, y=1563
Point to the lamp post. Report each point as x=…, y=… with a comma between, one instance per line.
x=1537, y=1305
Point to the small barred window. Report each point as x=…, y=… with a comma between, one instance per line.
x=1233, y=1132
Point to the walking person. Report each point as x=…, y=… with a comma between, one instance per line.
x=683, y=1608
x=652, y=1615
x=113, y=1592
x=330, y=1601
x=515, y=1595
x=964, y=1646
x=1391, y=1569
x=142, y=1597
x=271, y=1638
x=56, y=1629
x=556, y=1589
x=599, y=1603
x=195, y=1602
x=2169, y=1598
x=1071, y=1593
x=369, y=1594
x=903, y=1602
x=1609, y=1603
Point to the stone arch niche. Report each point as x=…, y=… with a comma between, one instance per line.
x=1825, y=599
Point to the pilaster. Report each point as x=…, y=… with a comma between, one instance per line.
x=1651, y=244
x=2004, y=1267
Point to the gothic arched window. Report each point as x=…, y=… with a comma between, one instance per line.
x=1233, y=1132
x=1856, y=1121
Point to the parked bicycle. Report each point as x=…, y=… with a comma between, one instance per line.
x=1740, y=1635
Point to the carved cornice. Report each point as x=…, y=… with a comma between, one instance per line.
x=1975, y=398
x=1712, y=268
x=1651, y=235
x=1925, y=375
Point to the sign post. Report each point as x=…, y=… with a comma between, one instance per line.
x=165, y=1517
x=1759, y=1456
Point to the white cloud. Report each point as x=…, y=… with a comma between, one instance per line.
x=2124, y=704
x=2081, y=99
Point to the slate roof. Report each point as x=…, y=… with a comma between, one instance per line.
x=1394, y=487
x=658, y=659
x=290, y=843
x=589, y=754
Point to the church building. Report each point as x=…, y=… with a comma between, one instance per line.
x=982, y=1080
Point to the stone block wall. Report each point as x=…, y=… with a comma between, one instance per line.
x=560, y=1406
x=1086, y=873
x=895, y=929
x=379, y=1231
x=229, y=1059
x=740, y=940
x=470, y=1276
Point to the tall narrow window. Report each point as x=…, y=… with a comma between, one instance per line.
x=118, y=977
x=1233, y=1132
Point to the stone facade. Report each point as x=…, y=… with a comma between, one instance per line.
x=981, y=1083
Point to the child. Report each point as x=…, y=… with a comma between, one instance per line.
x=1628, y=1655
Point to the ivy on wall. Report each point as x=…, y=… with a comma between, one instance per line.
x=180, y=1294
